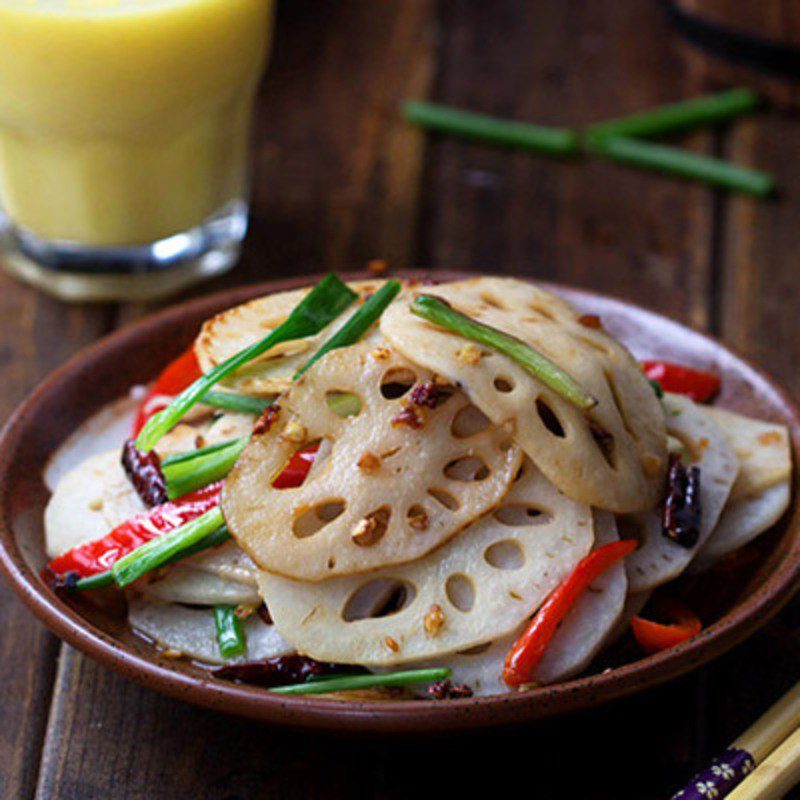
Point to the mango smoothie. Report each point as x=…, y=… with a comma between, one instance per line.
x=125, y=121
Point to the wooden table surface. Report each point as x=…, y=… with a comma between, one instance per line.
x=341, y=179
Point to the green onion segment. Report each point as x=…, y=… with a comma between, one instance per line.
x=441, y=313
x=358, y=324
x=686, y=115
x=243, y=403
x=329, y=298
x=684, y=164
x=349, y=682
x=230, y=637
x=160, y=551
x=493, y=130
x=190, y=474
x=217, y=537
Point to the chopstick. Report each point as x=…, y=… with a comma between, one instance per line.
x=765, y=744
x=778, y=773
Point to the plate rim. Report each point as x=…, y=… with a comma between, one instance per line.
x=392, y=716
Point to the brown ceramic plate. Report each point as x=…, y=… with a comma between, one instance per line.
x=95, y=625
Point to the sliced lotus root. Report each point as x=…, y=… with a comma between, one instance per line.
x=615, y=456
x=478, y=587
x=658, y=558
x=191, y=632
x=88, y=502
x=231, y=331
x=580, y=637
x=743, y=521
x=762, y=449
x=219, y=575
x=390, y=484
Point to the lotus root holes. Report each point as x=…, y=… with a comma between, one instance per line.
x=460, y=592
x=505, y=554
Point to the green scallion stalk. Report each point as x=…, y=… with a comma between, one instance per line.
x=160, y=551
x=684, y=164
x=191, y=455
x=230, y=636
x=358, y=324
x=687, y=115
x=106, y=578
x=492, y=130
x=347, y=683
x=441, y=313
x=329, y=298
x=98, y=581
x=236, y=402
x=188, y=475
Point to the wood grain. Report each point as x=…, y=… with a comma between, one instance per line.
x=597, y=225
x=36, y=335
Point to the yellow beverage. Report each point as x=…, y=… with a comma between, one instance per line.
x=125, y=121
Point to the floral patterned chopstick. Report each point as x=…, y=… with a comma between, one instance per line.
x=765, y=741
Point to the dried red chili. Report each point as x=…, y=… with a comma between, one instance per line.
x=445, y=690
x=279, y=671
x=144, y=472
x=682, y=511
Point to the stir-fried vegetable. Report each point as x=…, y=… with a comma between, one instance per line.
x=218, y=537
x=358, y=324
x=174, y=378
x=101, y=554
x=296, y=470
x=326, y=301
x=189, y=474
x=696, y=384
x=441, y=313
x=348, y=683
x=191, y=455
x=528, y=650
x=681, y=624
x=236, y=402
x=157, y=552
x=230, y=637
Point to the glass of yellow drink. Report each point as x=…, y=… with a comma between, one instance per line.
x=124, y=140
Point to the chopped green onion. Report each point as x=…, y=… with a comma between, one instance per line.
x=230, y=637
x=344, y=404
x=358, y=324
x=686, y=115
x=188, y=475
x=493, y=130
x=106, y=578
x=347, y=683
x=98, y=581
x=191, y=455
x=441, y=313
x=160, y=551
x=329, y=298
x=684, y=164
x=236, y=402
x=657, y=388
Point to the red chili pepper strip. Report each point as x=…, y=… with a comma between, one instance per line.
x=655, y=636
x=694, y=383
x=528, y=650
x=99, y=555
x=297, y=468
x=174, y=378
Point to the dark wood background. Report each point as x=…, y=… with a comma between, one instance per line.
x=341, y=179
